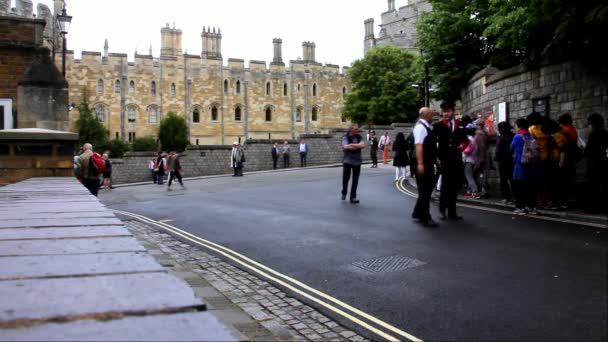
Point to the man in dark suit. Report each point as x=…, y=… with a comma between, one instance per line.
x=275, y=155
x=450, y=137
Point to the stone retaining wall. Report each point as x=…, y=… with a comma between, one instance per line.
x=197, y=161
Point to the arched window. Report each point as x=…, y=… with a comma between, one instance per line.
x=153, y=88
x=196, y=116
x=268, y=89
x=299, y=114
x=225, y=86
x=117, y=87
x=173, y=91
x=315, y=114
x=238, y=87
x=214, y=113
x=132, y=115
x=237, y=113
x=131, y=88
x=314, y=89
x=285, y=89
x=101, y=112
x=152, y=115
x=100, y=87
x=268, y=114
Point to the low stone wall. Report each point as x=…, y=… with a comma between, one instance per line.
x=198, y=161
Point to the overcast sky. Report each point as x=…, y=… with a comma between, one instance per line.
x=248, y=26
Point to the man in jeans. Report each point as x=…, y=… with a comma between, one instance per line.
x=352, y=144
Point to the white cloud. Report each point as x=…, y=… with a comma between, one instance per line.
x=248, y=26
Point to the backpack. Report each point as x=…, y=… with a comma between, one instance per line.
x=97, y=165
x=530, y=153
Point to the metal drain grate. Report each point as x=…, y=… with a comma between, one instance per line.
x=392, y=263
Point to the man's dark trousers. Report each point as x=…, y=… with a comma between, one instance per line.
x=302, y=159
x=356, y=171
x=450, y=185
x=426, y=184
x=92, y=185
x=285, y=161
x=275, y=159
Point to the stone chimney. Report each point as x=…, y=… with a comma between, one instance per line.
x=5, y=6
x=212, y=43
x=106, y=48
x=308, y=51
x=278, y=51
x=25, y=8
x=391, y=5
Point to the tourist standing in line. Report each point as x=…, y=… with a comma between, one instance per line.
x=385, y=144
x=504, y=159
x=542, y=167
x=274, y=152
x=400, y=157
x=450, y=138
x=175, y=169
x=523, y=184
x=285, y=152
x=303, y=153
x=107, y=173
x=597, y=164
x=557, y=168
x=426, y=162
x=352, y=144
x=373, y=141
x=152, y=167
x=573, y=155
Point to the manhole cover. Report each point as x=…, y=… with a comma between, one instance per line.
x=389, y=264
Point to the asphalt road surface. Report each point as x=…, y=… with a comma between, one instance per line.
x=490, y=277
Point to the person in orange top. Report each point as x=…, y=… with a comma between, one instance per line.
x=558, y=170
x=566, y=121
x=541, y=169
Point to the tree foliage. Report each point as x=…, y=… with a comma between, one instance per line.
x=145, y=144
x=461, y=37
x=116, y=147
x=382, y=87
x=173, y=132
x=90, y=130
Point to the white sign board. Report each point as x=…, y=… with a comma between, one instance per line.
x=6, y=110
x=502, y=112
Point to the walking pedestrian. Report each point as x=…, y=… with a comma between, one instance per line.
x=274, y=152
x=450, y=137
x=400, y=157
x=426, y=162
x=107, y=173
x=385, y=145
x=86, y=172
x=352, y=145
x=285, y=152
x=523, y=185
x=504, y=160
x=238, y=158
x=161, y=163
x=233, y=159
x=152, y=167
x=175, y=169
x=596, y=152
x=303, y=153
x=373, y=141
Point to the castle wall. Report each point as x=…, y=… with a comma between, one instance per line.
x=199, y=85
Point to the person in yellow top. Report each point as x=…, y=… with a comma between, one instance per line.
x=558, y=172
x=541, y=171
x=540, y=135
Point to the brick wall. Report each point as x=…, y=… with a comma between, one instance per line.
x=324, y=149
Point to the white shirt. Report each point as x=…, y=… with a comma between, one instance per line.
x=302, y=147
x=385, y=140
x=420, y=132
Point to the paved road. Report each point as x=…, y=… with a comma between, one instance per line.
x=491, y=277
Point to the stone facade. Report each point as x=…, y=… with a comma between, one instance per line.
x=221, y=103
x=324, y=149
x=567, y=87
x=398, y=26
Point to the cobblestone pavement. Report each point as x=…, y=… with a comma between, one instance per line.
x=229, y=292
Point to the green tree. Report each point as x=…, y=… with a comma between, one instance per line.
x=145, y=144
x=382, y=87
x=90, y=130
x=173, y=132
x=116, y=147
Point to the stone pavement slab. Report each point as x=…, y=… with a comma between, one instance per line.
x=200, y=326
x=62, y=232
x=59, y=222
x=73, y=265
x=71, y=246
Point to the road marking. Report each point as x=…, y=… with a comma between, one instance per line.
x=404, y=190
x=234, y=256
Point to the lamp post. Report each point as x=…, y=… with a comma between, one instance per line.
x=64, y=22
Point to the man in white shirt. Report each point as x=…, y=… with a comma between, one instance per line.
x=303, y=153
x=385, y=144
x=426, y=160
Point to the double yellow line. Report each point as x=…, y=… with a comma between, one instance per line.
x=332, y=304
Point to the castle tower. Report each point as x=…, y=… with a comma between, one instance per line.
x=25, y=8
x=391, y=5
x=5, y=6
x=57, y=6
x=171, y=41
x=212, y=43
x=278, y=51
x=369, y=41
x=308, y=51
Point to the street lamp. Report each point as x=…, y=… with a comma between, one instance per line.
x=64, y=23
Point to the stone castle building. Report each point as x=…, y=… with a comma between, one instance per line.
x=397, y=27
x=221, y=103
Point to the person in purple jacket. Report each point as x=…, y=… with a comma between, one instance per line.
x=523, y=184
